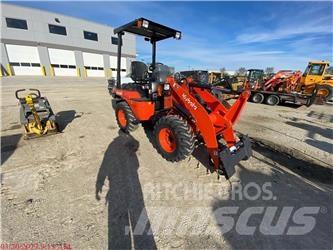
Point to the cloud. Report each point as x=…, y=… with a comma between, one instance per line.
x=191, y=54
x=284, y=41
x=313, y=28
x=202, y=54
x=252, y=34
x=305, y=21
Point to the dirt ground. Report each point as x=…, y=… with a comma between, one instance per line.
x=93, y=187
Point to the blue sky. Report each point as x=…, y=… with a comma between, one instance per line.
x=285, y=35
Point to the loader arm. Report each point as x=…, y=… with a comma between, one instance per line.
x=197, y=111
x=211, y=120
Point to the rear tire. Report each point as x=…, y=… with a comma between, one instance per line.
x=272, y=100
x=125, y=117
x=174, y=138
x=258, y=98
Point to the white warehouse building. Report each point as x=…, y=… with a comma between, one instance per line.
x=37, y=42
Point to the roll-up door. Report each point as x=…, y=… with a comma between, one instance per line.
x=24, y=60
x=63, y=62
x=93, y=64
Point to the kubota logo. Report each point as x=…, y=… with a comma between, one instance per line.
x=188, y=100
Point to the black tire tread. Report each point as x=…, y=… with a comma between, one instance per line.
x=272, y=96
x=132, y=123
x=183, y=133
x=255, y=94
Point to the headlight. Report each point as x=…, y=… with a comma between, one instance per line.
x=178, y=35
x=145, y=24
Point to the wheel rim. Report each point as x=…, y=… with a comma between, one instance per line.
x=323, y=92
x=257, y=98
x=270, y=100
x=122, y=118
x=167, y=140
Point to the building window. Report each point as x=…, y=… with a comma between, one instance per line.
x=16, y=23
x=90, y=35
x=56, y=29
x=114, y=40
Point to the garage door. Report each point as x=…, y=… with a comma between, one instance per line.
x=93, y=64
x=24, y=59
x=63, y=62
x=113, y=65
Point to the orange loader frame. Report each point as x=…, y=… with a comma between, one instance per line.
x=210, y=126
x=209, y=119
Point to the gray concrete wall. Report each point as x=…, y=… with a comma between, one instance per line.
x=79, y=62
x=44, y=59
x=38, y=32
x=4, y=60
x=4, y=56
x=106, y=61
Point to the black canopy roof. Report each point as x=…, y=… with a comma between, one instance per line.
x=150, y=29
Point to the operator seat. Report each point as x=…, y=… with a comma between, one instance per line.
x=139, y=72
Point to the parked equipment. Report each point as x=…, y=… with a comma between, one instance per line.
x=318, y=74
x=283, y=86
x=280, y=87
x=293, y=85
x=36, y=114
x=179, y=110
x=282, y=81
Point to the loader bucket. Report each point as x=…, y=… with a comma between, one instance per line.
x=230, y=157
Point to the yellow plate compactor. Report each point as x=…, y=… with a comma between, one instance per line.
x=36, y=114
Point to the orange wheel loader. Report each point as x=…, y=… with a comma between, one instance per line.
x=179, y=110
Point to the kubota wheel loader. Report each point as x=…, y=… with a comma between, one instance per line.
x=180, y=110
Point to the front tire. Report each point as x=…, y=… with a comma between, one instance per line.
x=174, y=138
x=125, y=117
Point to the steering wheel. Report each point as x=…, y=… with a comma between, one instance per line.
x=151, y=66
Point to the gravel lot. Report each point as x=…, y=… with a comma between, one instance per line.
x=92, y=187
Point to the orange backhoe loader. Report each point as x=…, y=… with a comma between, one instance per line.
x=318, y=74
